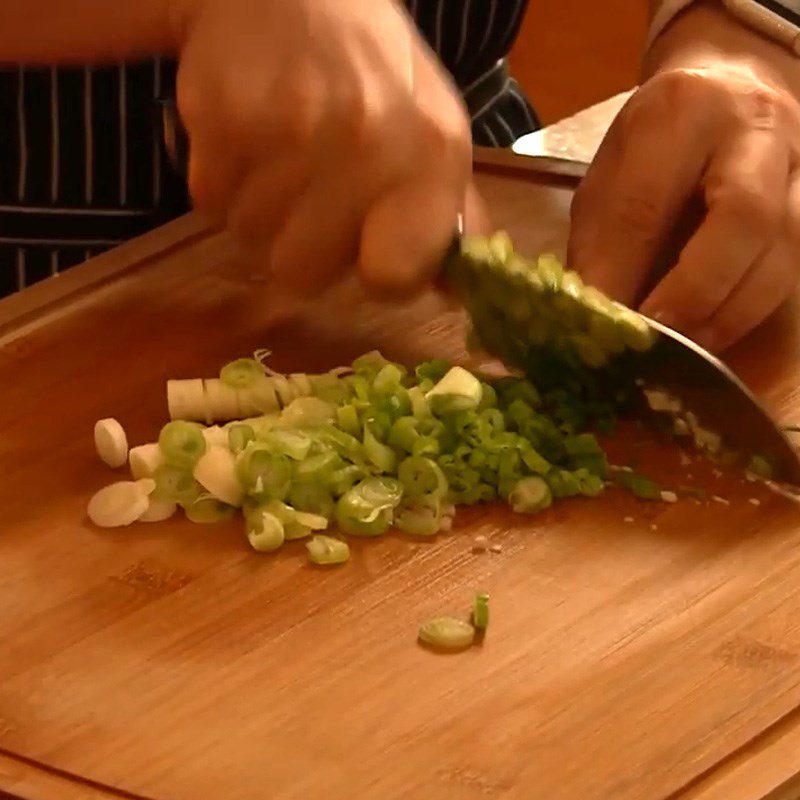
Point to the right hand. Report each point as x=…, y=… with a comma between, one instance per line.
x=324, y=133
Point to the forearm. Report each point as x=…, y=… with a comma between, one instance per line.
x=46, y=31
x=706, y=33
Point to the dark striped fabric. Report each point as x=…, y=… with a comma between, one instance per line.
x=82, y=162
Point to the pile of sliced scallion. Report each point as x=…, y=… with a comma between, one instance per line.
x=360, y=450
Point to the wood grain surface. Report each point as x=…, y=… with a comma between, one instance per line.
x=636, y=661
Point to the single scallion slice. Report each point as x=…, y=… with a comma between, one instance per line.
x=326, y=551
x=207, y=510
x=419, y=520
x=264, y=531
x=121, y=503
x=421, y=476
x=380, y=455
x=216, y=472
x=368, y=508
x=182, y=443
x=242, y=373
x=111, y=442
x=480, y=611
x=458, y=390
x=530, y=495
x=175, y=485
x=447, y=633
x=239, y=436
x=264, y=473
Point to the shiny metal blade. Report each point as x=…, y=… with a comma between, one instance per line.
x=721, y=401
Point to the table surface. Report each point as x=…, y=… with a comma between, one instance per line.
x=170, y=662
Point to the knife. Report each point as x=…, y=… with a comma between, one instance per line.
x=680, y=368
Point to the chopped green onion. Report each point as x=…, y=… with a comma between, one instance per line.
x=182, y=443
x=638, y=485
x=294, y=444
x=326, y=551
x=368, y=508
x=370, y=364
x=404, y=434
x=318, y=468
x=313, y=498
x=447, y=633
x=175, y=485
x=480, y=611
x=239, y=436
x=208, y=510
x=241, y=373
x=419, y=520
x=265, y=473
x=458, y=390
x=421, y=476
x=530, y=495
x=347, y=419
x=380, y=455
x=265, y=532
x=307, y=412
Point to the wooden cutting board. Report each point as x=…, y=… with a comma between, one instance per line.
x=636, y=661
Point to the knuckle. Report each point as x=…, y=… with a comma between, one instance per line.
x=763, y=108
x=662, y=97
x=446, y=140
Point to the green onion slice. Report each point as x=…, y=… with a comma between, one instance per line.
x=326, y=551
x=241, y=373
x=447, y=633
x=182, y=443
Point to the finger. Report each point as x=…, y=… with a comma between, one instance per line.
x=745, y=189
x=629, y=202
x=762, y=290
x=265, y=200
x=215, y=175
x=406, y=235
x=320, y=237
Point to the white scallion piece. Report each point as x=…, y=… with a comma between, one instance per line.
x=216, y=473
x=458, y=390
x=215, y=436
x=144, y=460
x=158, y=511
x=754, y=501
x=111, y=442
x=121, y=503
x=448, y=633
x=186, y=399
x=222, y=402
x=669, y=497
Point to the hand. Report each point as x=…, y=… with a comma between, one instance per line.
x=729, y=128
x=323, y=133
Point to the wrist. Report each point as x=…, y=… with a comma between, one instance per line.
x=705, y=34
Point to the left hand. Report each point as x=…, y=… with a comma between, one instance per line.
x=714, y=121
